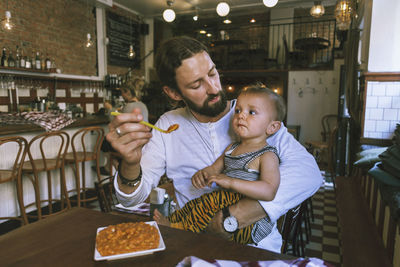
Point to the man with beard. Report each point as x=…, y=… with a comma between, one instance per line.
x=188, y=74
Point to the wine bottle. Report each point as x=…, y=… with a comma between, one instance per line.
x=38, y=64
x=48, y=62
x=11, y=61
x=28, y=62
x=3, y=57
x=17, y=58
x=22, y=60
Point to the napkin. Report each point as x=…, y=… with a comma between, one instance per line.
x=140, y=209
x=193, y=261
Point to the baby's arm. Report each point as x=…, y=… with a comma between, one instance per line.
x=263, y=189
x=200, y=178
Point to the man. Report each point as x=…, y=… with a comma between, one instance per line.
x=188, y=74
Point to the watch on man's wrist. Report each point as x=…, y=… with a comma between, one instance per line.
x=229, y=221
x=129, y=182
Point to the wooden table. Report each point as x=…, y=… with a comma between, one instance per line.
x=68, y=239
x=310, y=46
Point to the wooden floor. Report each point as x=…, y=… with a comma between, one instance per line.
x=361, y=242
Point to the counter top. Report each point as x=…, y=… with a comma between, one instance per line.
x=16, y=129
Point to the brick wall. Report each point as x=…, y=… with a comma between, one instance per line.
x=59, y=28
x=382, y=110
x=56, y=27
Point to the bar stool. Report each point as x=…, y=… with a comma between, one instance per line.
x=84, y=149
x=15, y=148
x=46, y=153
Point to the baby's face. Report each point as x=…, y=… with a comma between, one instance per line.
x=253, y=114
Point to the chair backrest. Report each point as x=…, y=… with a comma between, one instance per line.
x=47, y=152
x=291, y=227
x=80, y=141
x=51, y=145
x=14, y=149
x=329, y=122
x=106, y=194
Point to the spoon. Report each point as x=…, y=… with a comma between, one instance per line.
x=171, y=128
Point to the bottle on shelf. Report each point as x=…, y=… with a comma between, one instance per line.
x=17, y=58
x=11, y=60
x=22, y=60
x=38, y=64
x=28, y=62
x=48, y=62
x=4, y=59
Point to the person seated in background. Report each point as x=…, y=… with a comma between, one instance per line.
x=248, y=168
x=131, y=101
x=188, y=74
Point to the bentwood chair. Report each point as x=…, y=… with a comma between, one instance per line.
x=86, y=144
x=14, y=149
x=106, y=194
x=320, y=148
x=291, y=231
x=46, y=153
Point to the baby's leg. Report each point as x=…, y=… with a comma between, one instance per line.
x=160, y=219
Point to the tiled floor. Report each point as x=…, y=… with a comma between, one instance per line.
x=325, y=232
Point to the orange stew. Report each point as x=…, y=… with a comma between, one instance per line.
x=126, y=238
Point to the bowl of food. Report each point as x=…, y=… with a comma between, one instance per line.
x=128, y=240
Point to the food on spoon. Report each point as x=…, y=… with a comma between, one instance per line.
x=173, y=127
x=126, y=238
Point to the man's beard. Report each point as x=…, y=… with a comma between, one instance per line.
x=206, y=109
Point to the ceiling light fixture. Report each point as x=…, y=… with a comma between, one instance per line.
x=131, y=52
x=343, y=14
x=270, y=3
x=227, y=21
x=89, y=41
x=252, y=20
x=169, y=14
x=7, y=23
x=196, y=16
x=317, y=9
x=223, y=9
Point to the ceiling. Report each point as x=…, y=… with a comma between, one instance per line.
x=154, y=8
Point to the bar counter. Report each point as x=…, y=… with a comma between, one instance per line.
x=17, y=129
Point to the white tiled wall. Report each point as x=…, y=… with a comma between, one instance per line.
x=382, y=110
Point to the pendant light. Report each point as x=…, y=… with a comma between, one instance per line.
x=343, y=14
x=6, y=23
x=223, y=9
x=169, y=13
x=270, y=3
x=131, y=52
x=89, y=41
x=317, y=9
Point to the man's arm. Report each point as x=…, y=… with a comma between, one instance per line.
x=246, y=211
x=128, y=141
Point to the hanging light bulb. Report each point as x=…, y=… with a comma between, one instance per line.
x=169, y=14
x=6, y=22
x=131, y=53
x=223, y=9
x=317, y=9
x=89, y=42
x=270, y=3
x=195, y=17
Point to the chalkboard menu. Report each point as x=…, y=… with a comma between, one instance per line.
x=122, y=32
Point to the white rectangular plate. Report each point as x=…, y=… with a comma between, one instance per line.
x=161, y=246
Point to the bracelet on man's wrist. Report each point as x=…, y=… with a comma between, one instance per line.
x=126, y=181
